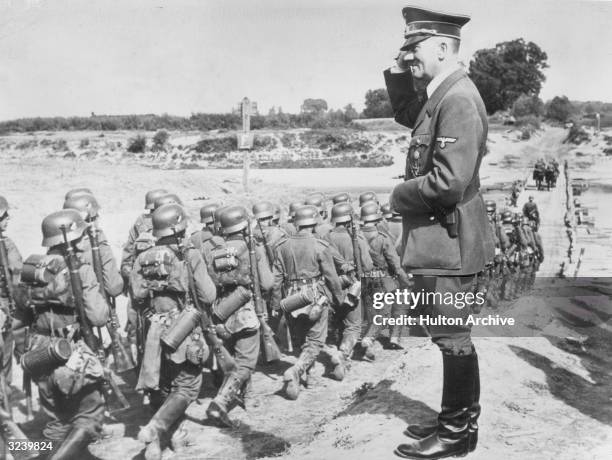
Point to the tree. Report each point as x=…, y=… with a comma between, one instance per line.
x=315, y=106
x=560, y=109
x=160, y=138
x=503, y=73
x=527, y=105
x=350, y=113
x=377, y=104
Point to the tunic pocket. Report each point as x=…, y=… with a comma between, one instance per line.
x=418, y=152
x=429, y=246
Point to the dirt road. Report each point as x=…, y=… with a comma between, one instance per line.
x=541, y=399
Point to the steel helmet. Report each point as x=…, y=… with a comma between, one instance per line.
x=367, y=196
x=85, y=203
x=341, y=212
x=152, y=195
x=277, y=213
x=386, y=211
x=77, y=191
x=169, y=219
x=507, y=217
x=306, y=216
x=234, y=219
x=55, y=224
x=316, y=201
x=217, y=223
x=370, y=212
x=207, y=213
x=342, y=197
x=490, y=205
x=166, y=199
x=293, y=207
x=263, y=210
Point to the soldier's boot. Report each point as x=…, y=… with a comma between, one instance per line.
x=180, y=439
x=225, y=401
x=74, y=445
x=170, y=411
x=293, y=375
x=422, y=431
x=368, y=347
x=452, y=435
x=342, y=359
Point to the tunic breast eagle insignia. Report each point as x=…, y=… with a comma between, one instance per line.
x=446, y=140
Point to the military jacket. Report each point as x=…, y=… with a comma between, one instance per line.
x=303, y=256
x=341, y=240
x=143, y=224
x=441, y=176
x=113, y=283
x=15, y=263
x=382, y=251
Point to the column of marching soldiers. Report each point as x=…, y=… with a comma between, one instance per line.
x=209, y=299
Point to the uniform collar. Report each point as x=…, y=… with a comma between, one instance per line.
x=438, y=79
x=442, y=88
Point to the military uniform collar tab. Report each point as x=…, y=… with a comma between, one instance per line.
x=442, y=89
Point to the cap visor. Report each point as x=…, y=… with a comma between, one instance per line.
x=411, y=41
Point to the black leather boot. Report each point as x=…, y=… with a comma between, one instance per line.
x=451, y=438
x=74, y=446
x=422, y=431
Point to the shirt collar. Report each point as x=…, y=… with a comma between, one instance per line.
x=438, y=79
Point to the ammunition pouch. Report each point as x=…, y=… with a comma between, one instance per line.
x=82, y=368
x=46, y=355
x=45, y=280
x=226, y=306
x=225, y=259
x=34, y=271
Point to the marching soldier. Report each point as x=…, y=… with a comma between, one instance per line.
x=348, y=314
x=341, y=197
x=171, y=370
x=367, y=196
x=207, y=217
x=9, y=278
x=381, y=279
x=391, y=224
x=77, y=191
x=67, y=371
x=530, y=210
x=496, y=268
x=238, y=324
x=303, y=266
x=268, y=233
x=446, y=240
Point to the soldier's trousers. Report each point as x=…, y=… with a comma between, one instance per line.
x=370, y=287
x=456, y=339
x=348, y=320
x=84, y=409
x=184, y=379
x=311, y=334
x=244, y=347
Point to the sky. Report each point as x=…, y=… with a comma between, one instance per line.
x=75, y=57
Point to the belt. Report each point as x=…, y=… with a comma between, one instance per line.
x=300, y=282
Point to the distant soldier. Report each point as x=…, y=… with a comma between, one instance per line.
x=367, y=196
x=530, y=210
x=348, y=315
x=235, y=312
x=77, y=191
x=9, y=277
x=381, y=279
x=303, y=265
x=268, y=233
x=171, y=370
x=341, y=197
x=69, y=378
x=393, y=224
x=495, y=270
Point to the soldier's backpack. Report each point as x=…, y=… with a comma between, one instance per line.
x=45, y=279
x=163, y=270
x=229, y=263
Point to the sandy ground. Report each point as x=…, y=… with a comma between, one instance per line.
x=542, y=397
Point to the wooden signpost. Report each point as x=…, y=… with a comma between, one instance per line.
x=245, y=138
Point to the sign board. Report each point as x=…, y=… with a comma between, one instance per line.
x=245, y=141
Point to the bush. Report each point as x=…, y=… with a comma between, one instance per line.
x=137, y=144
x=160, y=138
x=528, y=121
x=84, y=143
x=527, y=105
x=217, y=144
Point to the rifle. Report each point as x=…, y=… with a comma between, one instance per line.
x=5, y=276
x=270, y=348
x=109, y=382
x=283, y=320
x=224, y=359
x=356, y=252
x=122, y=359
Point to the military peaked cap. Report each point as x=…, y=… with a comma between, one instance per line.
x=422, y=24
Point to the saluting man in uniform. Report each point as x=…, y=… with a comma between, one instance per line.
x=446, y=240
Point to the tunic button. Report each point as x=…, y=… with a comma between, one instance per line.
x=416, y=155
x=431, y=217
